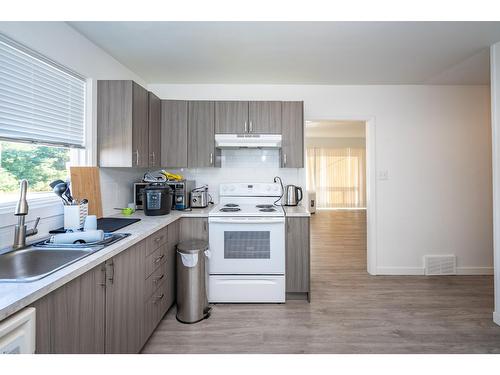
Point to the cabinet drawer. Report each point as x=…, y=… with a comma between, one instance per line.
x=155, y=307
x=157, y=278
x=158, y=304
x=156, y=240
x=153, y=261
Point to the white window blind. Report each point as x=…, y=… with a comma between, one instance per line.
x=40, y=101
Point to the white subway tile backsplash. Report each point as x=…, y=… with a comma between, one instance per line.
x=250, y=158
x=236, y=167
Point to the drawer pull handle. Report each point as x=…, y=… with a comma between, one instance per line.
x=159, y=258
x=157, y=239
x=158, y=278
x=159, y=298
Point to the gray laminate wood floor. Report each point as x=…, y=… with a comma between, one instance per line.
x=350, y=311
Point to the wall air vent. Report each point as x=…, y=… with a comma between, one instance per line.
x=440, y=265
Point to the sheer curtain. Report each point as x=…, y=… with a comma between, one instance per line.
x=337, y=175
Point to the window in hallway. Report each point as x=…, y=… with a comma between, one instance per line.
x=336, y=163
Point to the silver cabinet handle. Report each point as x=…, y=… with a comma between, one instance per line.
x=211, y=158
x=246, y=127
x=284, y=159
x=154, y=159
x=159, y=298
x=111, y=278
x=158, y=278
x=137, y=157
x=157, y=259
x=103, y=272
x=251, y=127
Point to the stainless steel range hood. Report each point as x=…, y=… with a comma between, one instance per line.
x=248, y=140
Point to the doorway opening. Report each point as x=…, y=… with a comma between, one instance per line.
x=339, y=161
x=336, y=163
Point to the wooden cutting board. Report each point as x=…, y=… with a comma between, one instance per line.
x=86, y=183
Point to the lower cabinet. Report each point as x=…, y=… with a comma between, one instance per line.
x=115, y=307
x=71, y=319
x=297, y=257
x=124, y=296
x=193, y=228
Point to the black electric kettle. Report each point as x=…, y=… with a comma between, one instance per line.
x=292, y=195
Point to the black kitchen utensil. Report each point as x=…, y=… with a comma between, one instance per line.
x=56, y=182
x=59, y=190
x=67, y=193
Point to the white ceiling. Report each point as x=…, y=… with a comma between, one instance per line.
x=335, y=129
x=300, y=52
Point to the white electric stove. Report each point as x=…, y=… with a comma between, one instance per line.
x=247, y=244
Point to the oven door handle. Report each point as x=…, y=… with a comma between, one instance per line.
x=275, y=220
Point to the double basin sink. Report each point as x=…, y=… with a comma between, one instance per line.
x=43, y=258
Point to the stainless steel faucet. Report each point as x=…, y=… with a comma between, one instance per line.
x=20, y=232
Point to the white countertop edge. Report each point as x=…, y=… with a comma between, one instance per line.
x=16, y=296
x=296, y=211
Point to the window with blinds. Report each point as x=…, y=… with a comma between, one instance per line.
x=40, y=101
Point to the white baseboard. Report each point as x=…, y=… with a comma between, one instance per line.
x=415, y=271
x=474, y=270
x=496, y=317
x=403, y=271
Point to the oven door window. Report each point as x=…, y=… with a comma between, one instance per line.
x=247, y=245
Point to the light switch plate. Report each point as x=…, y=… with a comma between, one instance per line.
x=383, y=175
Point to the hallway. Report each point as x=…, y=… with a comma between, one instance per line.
x=350, y=311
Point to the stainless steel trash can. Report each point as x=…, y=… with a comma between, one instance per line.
x=192, y=301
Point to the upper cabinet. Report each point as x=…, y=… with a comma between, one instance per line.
x=174, y=133
x=264, y=117
x=154, y=122
x=292, y=144
x=231, y=117
x=137, y=129
x=239, y=117
x=201, y=134
x=122, y=124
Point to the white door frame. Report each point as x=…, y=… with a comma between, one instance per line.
x=371, y=187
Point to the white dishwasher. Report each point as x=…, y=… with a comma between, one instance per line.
x=17, y=333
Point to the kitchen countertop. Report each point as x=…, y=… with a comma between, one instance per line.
x=297, y=211
x=16, y=296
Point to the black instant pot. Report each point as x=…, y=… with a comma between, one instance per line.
x=157, y=199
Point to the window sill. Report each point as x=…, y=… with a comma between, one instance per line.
x=43, y=207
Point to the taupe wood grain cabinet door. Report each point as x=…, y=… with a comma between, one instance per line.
x=201, y=136
x=125, y=285
x=140, y=126
x=231, y=117
x=193, y=228
x=264, y=117
x=154, y=121
x=292, y=123
x=114, y=123
x=297, y=255
x=122, y=124
x=174, y=133
x=71, y=319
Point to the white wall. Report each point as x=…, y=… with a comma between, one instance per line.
x=331, y=142
x=495, y=124
x=435, y=142
x=64, y=45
